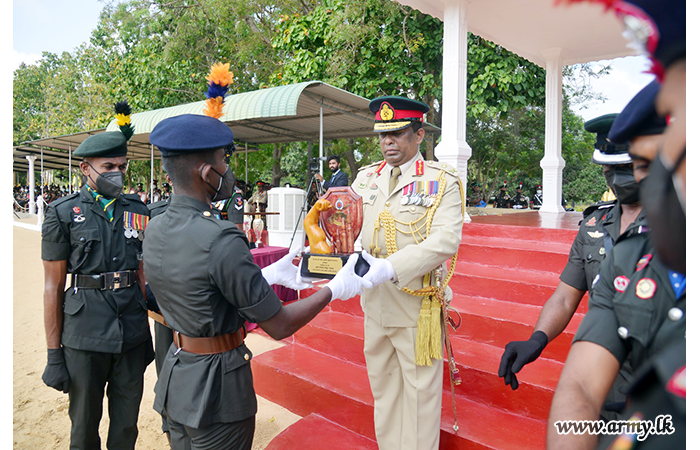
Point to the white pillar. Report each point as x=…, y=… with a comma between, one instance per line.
x=453, y=148
x=552, y=164
x=320, y=141
x=30, y=183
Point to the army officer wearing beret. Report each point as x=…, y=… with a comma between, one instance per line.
x=207, y=286
x=97, y=330
x=399, y=195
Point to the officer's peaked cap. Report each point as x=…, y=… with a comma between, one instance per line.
x=396, y=113
x=605, y=151
x=190, y=133
x=110, y=144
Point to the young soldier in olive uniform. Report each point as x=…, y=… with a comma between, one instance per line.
x=637, y=304
x=601, y=227
x=97, y=330
x=405, y=191
x=207, y=285
x=477, y=197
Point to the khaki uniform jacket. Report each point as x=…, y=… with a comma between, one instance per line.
x=387, y=304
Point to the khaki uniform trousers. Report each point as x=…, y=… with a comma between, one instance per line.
x=407, y=397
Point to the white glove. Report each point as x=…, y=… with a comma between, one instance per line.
x=380, y=270
x=346, y=284
x=285, y=273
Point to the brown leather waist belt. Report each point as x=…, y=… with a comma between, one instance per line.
x=104, y=281
x=209, y=345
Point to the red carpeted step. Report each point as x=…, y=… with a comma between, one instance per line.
x=478, y=230
x=526, y=287
x=315, y=432
x=306, y=381
x=504, y=257
x=498, y=323
x=341, y=336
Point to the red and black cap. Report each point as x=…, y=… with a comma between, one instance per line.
x=396, y=113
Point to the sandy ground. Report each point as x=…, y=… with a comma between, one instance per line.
x=40, y=414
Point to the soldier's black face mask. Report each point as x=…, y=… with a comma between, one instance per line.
x=665, y=211
x=621, y=181
x=109, y=184
x=227, y=181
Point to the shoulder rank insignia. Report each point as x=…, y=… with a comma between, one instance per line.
x=646, y=288
x=595, y=234
x=591, y=222
x=643, y=261
x=239, y=202
x=621, y=283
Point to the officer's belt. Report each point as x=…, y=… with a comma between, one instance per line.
x=104, y=281
x=209, y=345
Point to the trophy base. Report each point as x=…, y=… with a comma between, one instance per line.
x=326, y=266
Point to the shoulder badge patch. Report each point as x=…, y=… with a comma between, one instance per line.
x=621, y=283
x=646, y=288
x=643, y=261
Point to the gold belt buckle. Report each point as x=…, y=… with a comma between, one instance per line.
x=116, y=281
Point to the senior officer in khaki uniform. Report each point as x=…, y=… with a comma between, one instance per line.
x=207, y=286
x=602, y=226
x=97, y=331
x=413, y=216
x=637, y=306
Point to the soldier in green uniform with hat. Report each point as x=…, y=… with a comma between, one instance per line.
x=207, y=286
x=636, y=310
x=97, y=330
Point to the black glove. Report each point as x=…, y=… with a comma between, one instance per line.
x=519, y=353
x=56, y=374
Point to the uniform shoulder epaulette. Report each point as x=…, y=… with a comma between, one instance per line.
x=597, y=206
x=59, y=201
x=443, y=166
x=132, y=196
x=152, y=206
x=370, y=165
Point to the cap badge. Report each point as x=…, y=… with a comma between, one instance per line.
x=386, y=112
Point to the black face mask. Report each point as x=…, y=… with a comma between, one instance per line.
x=227, y=181
x=109, y=184
x=621, y=181
x=665, y=213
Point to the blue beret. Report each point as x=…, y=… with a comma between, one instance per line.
x=190, y=133
x=110, y=144
x=396, y=113
x=605, y=151
x=667, y=31
x=639, y=117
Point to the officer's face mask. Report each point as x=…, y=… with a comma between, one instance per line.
x=664, y=203
x=109, y=184
x=621, y=181
x=227, y=180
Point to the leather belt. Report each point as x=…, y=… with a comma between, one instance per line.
x=208, y=345
x=104, y=281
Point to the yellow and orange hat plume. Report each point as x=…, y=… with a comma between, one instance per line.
x=219, y=79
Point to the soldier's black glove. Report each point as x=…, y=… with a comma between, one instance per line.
x=519, y=353
x=56, y=374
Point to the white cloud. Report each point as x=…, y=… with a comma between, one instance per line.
x=20, y=57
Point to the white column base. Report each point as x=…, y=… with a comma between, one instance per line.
x=456, y=154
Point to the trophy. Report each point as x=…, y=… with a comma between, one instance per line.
x=258, y=226
x=332, y=226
